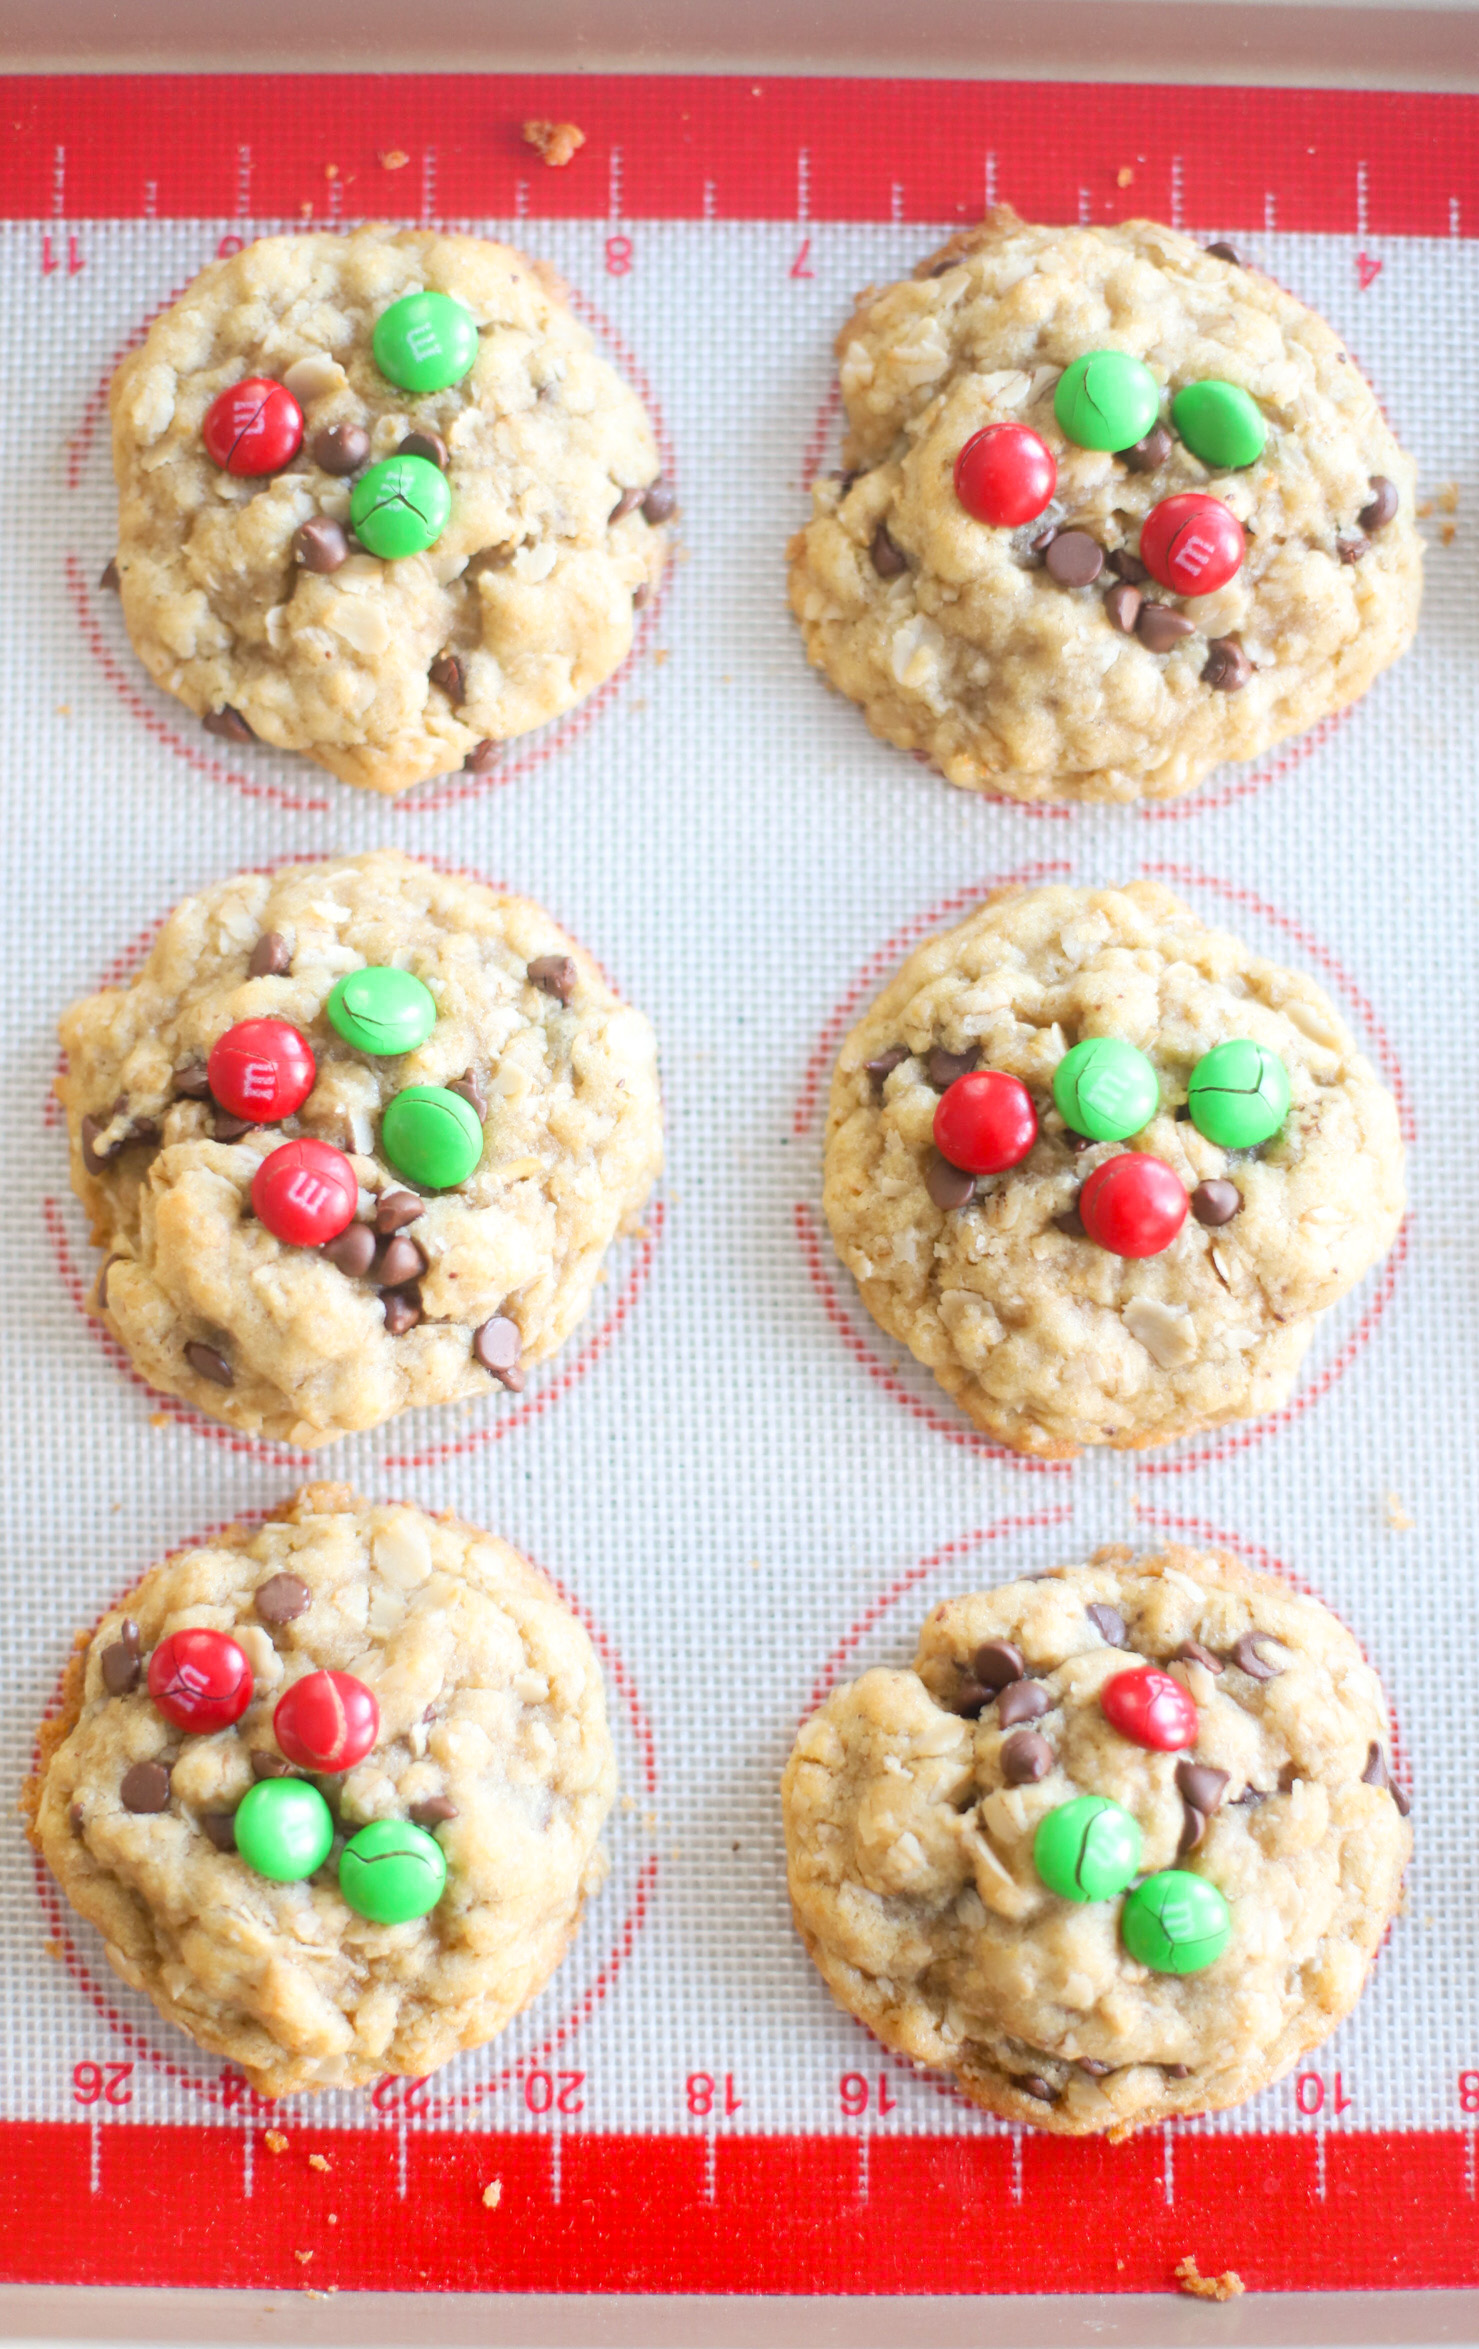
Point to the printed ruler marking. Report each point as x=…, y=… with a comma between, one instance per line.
x=248, y=2161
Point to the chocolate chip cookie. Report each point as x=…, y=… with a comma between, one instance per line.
x=1120, y=1844
x=356, y=1137
x=166, y=1800
x=1115, y=509
x=1101, y=1167
x=381, y=501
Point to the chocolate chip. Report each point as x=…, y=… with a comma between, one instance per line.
x=1227, y=668
x=554, y=974
x=949, y=1186
x=192, y=1082
x=340, y=448
x=271, y=957
x=353, y=1251
x=941, y=268
x=1070, y=1223
x=1376, y=1773
x=265, y=1765
x=433, y=1811
x=425, y=444
x=100, y=1291
x=448, y=673
x=626, y=504
x=661, y=501
x=1031, y=2085
x=219, y=1828
x=1159, y=628
x=1024, y=1700
x=471, y=1091
x=1216, y=1202
x=640, y=595
x=1383, y=506
x=1074, y=559
x=396, y=1209
x=1400, y=1798
x=1025, y=1758
x=997, y=1663
x=402, y=1312
x=1092, y=2065
x=110, y=579
x=1122, y=606
x=282, y=1599
x=76, y=1818
x=1149, y=454
x=1249, y=1796
x=229, y=724
x=971, y=1700
x=400, y=1262
x=320, y=544
x=482, y=756
x=1128, y=567
x=226, y=1126
x=1244, y=1652
x=1193, y=1828
x=1351, y=550
x=1200, y=1785
x=120, y=1665
x=498, y=1345
x=887, y=559
x=92, y=1158
x=884, y=1064
x=1288, y=1777
x=207, y=1363
x=1225, y=252
x=1191, y=1651
x=943, y=1068
x=1109, y=1623
x=145, y=1787
x=1177, y=2071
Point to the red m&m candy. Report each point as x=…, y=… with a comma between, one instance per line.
x=985, y=1122
x=305, y=1193
x=1192, y=543
x=326, y=1721
x=256, y=426
x=200, y=1680
x=1005, y=474
x=261, y=1069
x=1150, y=1708
x=1133, y=1205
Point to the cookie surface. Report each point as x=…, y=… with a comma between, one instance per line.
x=954, y=636
x=566, y=1078
x=1045, y=1339
x=911, y=1850
x=383, y=671
x=491, y=1713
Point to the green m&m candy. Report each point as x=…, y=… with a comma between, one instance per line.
x=1176, y=1923
x=432, y=1136
x=1239, y=1094
x=1219, y=423
x=400, y=507
x=425, y=342
x=1106, y=1089
x=1107, y=400
x=284, y=1829
x=382, y=1010
x=1088, y=1849
x=391, y=1872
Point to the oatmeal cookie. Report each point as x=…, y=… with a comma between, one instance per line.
x=431, y=1293
x=247, y=595
x=1062, y=674
x=491, y=1740
x=914, y=1801
x=1047, y=1339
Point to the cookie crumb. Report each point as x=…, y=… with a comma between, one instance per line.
x=1448, y=498
x=275, y=2141
x=554, y=142
x=53, y=1949
x=318, y=2161
x=1448, y=531
x=1228, y=2286
x=303, y=2257
x=492, y=2193
x=331, y=171
x=1394, y=1513
x=393, y=159
x=159, y=1419
x=1125, y=176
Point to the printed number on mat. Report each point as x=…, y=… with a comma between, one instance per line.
x=858, y=2095
x=560, y=2093
x=1312, y=2095
x=106, y=2081
x=703, y=2090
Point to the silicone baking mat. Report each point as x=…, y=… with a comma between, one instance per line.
x=744, y=1489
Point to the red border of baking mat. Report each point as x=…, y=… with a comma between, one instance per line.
x=109, y=2201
